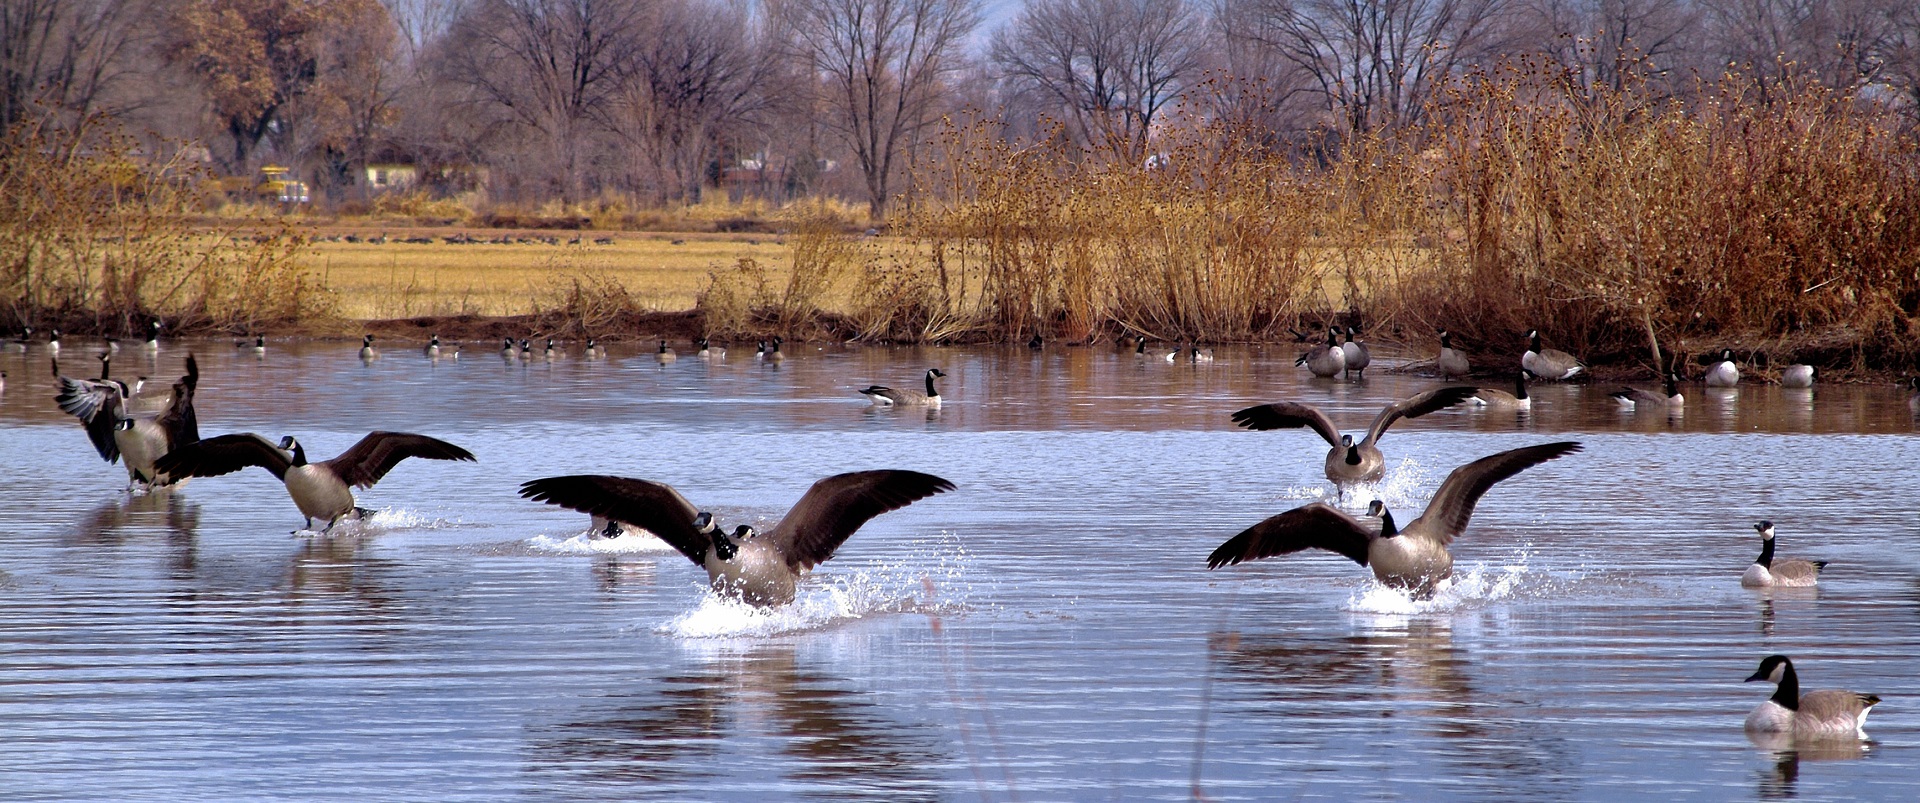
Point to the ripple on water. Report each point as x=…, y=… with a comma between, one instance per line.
x=931, y=578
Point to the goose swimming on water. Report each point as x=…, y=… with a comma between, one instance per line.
x=1669, y=396
x=1415, y=559
x=1495, y=399
x=1723, y=373
x=760, y=569
x=1348, y=462
x=1814, y=715
x=321, y=490
x=883, y=396
x=1767, y=571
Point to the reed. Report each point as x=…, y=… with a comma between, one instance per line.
x=95, y=237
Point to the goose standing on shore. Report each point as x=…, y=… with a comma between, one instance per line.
x=1815, y=715
x=1415, y=559
x=758, y=569
x=1356, y=355
x=1723, y=373
x=1552, y=365
x=1327, y=359
x=321, y=490
x=1349, y=463
x=1769, y=572
x=1452, y=362
x=883, y=396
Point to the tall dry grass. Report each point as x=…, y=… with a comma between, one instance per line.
x=94, y=237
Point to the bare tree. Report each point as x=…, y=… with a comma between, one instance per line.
x=1110, y=65
x=699, y=71
x=883, y=65
x=1839, y=42
x=1375, y=61
x=66, y=56
x=1605, y=40
x=551, y=67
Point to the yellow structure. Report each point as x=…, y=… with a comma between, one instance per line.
x=276, y=186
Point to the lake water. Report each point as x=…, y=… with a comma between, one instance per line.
x=1047, y=632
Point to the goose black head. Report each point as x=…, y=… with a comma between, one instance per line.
x=1378, y=509
x=936, y=372
x=1764, y=528
x=703, y=524
x=1773, y=669
x=1353, y=450
x=744, y=532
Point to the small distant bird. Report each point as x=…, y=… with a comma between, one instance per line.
x=1668, y=398
x=1767, y=571
x=26, y=337
x=883, y=396
x=153, y=336
x=593, y=349
x=1799, y=375
x=1196, y=354
x=707, y=350
x=53, y=342
x=1140, y=347
x=551, y=352
x=1036, y=342
x=1451, y=362
x=758, y=569
x=1414, y=559
x=526, y=350
x=1495, y=399
x=1350, y=463
x=367, y=351
x=259, y=344
x=1327, y=359
x=506, y=348
x=775, y=356
x=1723, y=373
x=1913, y=402
x=1814, y=715
x=1357, y=356
x=433, y=348
x=664, y=355
x=1552, y=365
x=322, y=490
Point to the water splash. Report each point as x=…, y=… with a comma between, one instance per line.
x=589, y=542
x=1472, y=586
x=379, y=521
x=930, y=579
x=1405, y=487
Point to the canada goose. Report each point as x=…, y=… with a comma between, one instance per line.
x=551, y=353
x=1814, y=715
x=593, y=349
x=259, y=344
x=1798, y=375
x=321, y=490
x=758, y=569
x=53, y=342
x=506, y=349
x=664, y=355
x=1197, y=354
x=153, y=336
x=1348, y=462
x=367, y=352
x=1416, y=558
x=1140, y=347
x=1669, y=396
x=526, y=350
x=773, y=354
x=1551, y=365
x=1036, y=342
x=105, y=407
x=25, y=338
x=1451, y=362
x=1913, y=402
x=1325, y=360
x=883, y=396
x=1494, y=399
x=433, y=348
x=705, y=350
x=3, y=381
x=1356, y=355
x=1722, y=373
x=1766, y=571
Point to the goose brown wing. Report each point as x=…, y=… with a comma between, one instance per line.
x=1288, y=415
x=836, y=506
x=178, y=420
x=1418, y=405
x=653, y=506
x=1452, y=505
x=224, y=454
x=1315, y=526
x=99, y=404
x=378, y=452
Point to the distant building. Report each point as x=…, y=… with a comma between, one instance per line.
x=384, y=176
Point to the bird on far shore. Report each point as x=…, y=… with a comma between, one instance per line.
x=1326, y=360
x=1357, y=356
x=1550, y=365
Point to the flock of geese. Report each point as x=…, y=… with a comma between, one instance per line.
x=157, y=438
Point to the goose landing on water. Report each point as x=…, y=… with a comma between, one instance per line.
x=1768, y=572
x=118, y=432
x=322, y=490
x=1350, y=463
x=1814, y=715
x=883, y=396
x=1414, y=559
x=759, y=569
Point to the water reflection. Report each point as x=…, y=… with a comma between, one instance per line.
x=1781, y=781
x=696, y=724
x=118, y=521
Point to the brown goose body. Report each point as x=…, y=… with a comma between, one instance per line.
x=321, y=490
x=1349, y=462
x=1813, y=716
x=1768, y=571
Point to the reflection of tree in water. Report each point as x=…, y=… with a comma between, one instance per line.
x=1367, y=681
x=839, y=745
x=1781, y=781
x=115, y=523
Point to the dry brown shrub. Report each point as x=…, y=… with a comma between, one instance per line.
x=731, y=297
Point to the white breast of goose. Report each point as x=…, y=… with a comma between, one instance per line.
x=758, y=575
x=318, y=493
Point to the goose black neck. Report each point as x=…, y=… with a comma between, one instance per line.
x=1788, y=694
x=724, y=547
x=1766, y=554
x=1520, y=385
x=930, y=391
x=1387, y=528
x=1353, y=455
x=299, y=454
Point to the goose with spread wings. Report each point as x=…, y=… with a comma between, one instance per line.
x=1348, y=462
x=120, y=432
x=760, y=569
x=321, y=490
x=1416, y=558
